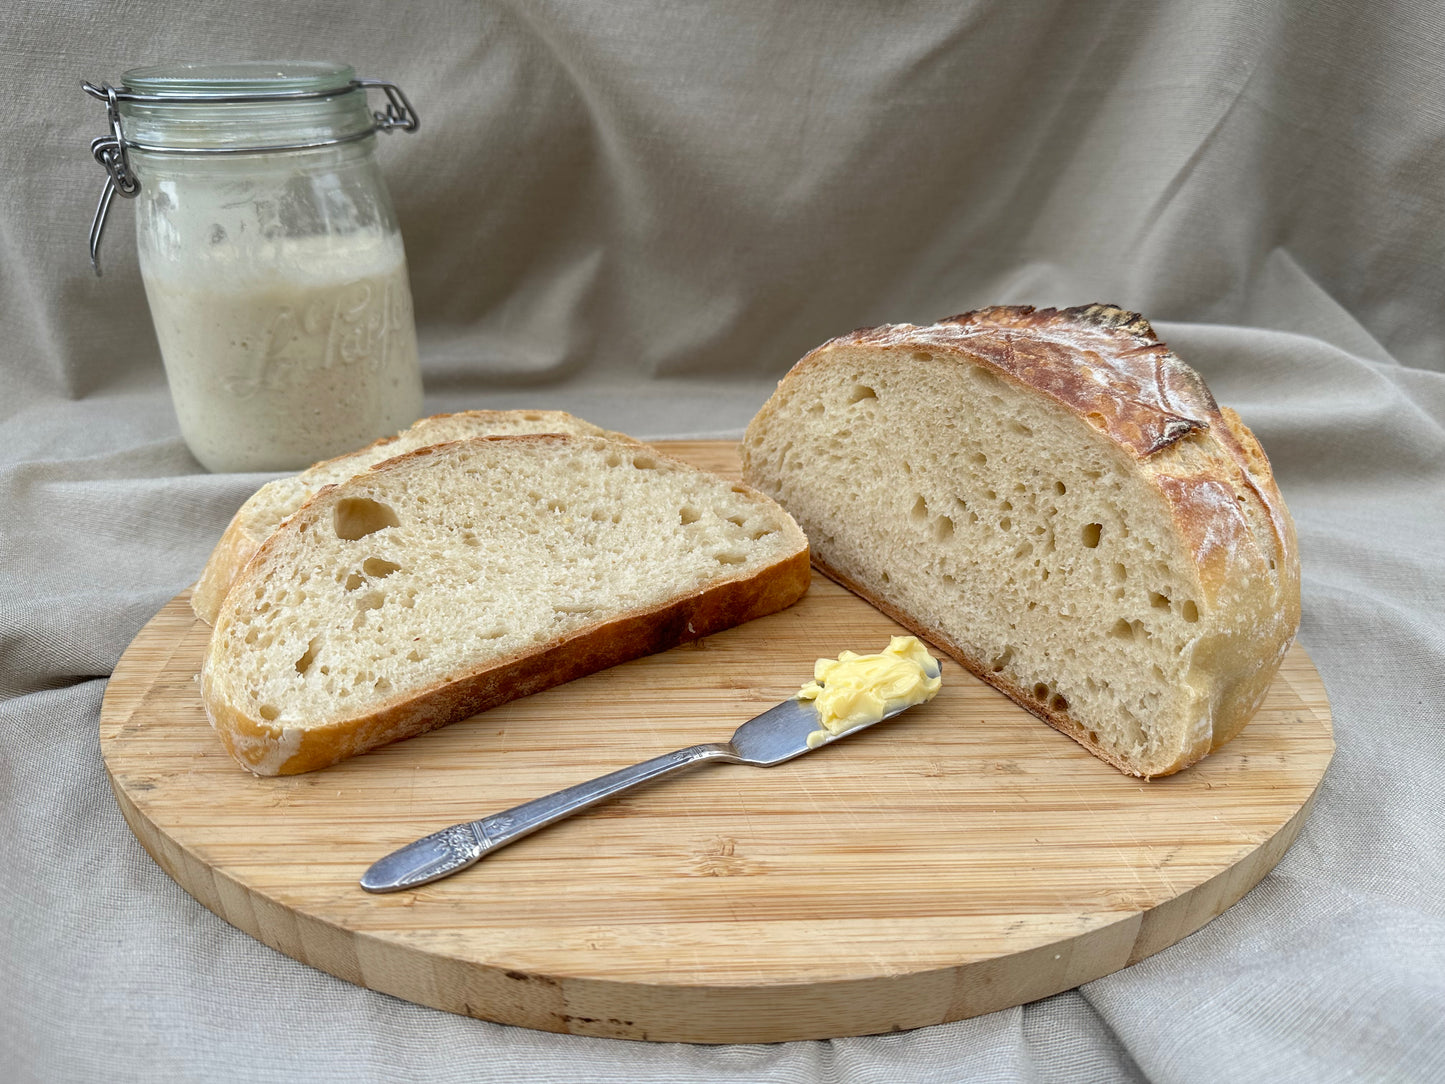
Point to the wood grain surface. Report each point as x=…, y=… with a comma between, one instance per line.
x=960, y=859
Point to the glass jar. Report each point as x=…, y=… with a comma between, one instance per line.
x=270, y=254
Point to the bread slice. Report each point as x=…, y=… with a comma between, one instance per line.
x=1054, y=499
x=268, y=506
x=460, y=576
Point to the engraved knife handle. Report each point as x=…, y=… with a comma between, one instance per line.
x=453, y=849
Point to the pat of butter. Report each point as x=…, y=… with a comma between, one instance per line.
x=854, y=690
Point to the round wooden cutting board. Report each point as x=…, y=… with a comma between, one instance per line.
x=960, y=859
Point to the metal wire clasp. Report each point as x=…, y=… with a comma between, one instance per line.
x=112, y=151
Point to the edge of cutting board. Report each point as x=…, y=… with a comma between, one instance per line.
x=962, y=860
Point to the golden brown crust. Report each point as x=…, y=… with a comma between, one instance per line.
x=275, y=749
x=230, y=555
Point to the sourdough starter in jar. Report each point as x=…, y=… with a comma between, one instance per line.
x=275, y=364
x=271, y=257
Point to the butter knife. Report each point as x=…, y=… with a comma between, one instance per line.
x=777, y=735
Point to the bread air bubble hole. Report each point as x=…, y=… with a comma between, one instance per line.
x=372, y=600
x=887, y=579
x=303, y=664
x=1120, y=572
x=922, y=355
x=613, y=459
x=379, y=568
x=1021, y=429
x=979, y=459
x=861, y=392
x=357, y=517
x=1041, y=691
x=1158, y=601
x=737, y=519
x=1002, y=659
x=1058, y=703
x=687, y=514
x=1122, y=629
x=269, y=712
x=1097, y=420
x=919, y=512
x=943, y=529
x=816, y=408
x=1189, y=611
x=1006, y=506
x=1091, y=534
x=644, y=462
x=1060, y=488
x=730, y=558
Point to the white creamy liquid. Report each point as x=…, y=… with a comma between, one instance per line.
x=278, y=362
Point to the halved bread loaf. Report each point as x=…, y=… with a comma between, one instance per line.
x=268, y=506
x=1056, y=500
x=460, y=576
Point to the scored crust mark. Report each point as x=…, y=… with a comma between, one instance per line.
x=1101, y=361
x=1101, y=315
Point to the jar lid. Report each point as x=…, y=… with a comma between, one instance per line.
x=255, y=105
x=252, y=107
x=245, y=78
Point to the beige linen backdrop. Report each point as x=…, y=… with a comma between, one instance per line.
x=643, y=213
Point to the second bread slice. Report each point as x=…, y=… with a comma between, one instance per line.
x=457, y=577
